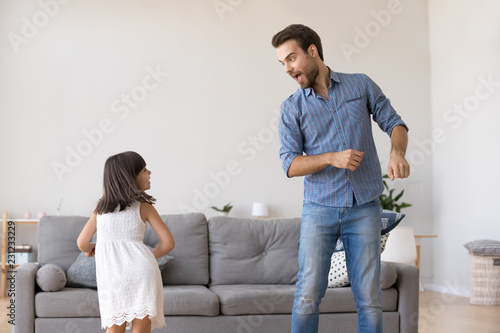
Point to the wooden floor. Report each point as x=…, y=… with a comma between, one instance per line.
x=439, y=313
x=443, y=313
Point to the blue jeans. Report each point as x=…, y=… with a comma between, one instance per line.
x=359, y=228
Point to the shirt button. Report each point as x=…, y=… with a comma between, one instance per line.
x=340, y=128
x=343, y=144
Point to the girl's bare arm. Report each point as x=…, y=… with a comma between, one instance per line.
x=167, y=243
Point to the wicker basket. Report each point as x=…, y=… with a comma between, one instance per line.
x=485, y=280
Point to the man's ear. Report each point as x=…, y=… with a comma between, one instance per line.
x=312, y=51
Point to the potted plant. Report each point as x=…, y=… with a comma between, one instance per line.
x=224, y=211
x=389, y=202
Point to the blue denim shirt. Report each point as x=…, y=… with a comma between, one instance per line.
x=313, y=125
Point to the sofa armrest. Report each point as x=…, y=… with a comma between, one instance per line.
x=25, y=298
x=408, y=285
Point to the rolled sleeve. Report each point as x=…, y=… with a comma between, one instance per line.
x=383, y=112
x=291, y=144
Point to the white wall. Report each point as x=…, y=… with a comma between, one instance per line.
x=217, y=105
x=465, y=52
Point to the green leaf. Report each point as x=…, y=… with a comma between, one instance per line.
x=386, y=199
x=404, y=205
x=227, y=208
x=399, y=195
x=385, y=185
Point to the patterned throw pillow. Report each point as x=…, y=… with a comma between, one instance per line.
x=82, y=273
x=338, y=269
x=388, y=221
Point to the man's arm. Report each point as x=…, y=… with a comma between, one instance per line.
x=307, y=165
x=398, y=166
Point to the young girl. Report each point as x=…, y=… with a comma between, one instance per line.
x=129, y=283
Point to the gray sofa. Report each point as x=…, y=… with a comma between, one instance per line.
x=228, y=275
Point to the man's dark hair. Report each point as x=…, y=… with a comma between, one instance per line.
x=304, y=36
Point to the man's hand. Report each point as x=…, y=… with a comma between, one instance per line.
x=347, y=159
x=307, y=165
x=398, y=167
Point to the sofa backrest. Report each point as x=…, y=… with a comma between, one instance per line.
x=190, y=264
x=57, y=237
x=252, y=251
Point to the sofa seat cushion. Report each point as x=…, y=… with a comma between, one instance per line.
x=189, y=300
x=342, y=300
x=278, y=299
x=250, y=299
x=68, y=302
x=84, y=302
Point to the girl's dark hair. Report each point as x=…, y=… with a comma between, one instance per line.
x=304, y=36
x=120, y=183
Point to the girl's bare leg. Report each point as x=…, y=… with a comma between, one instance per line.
x=141, y=325
x=116, y=328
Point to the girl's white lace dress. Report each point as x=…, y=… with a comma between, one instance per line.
x=129, y=283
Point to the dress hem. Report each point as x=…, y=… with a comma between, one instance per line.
x=156, y=321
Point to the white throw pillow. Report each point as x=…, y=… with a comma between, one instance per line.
x=338, y=270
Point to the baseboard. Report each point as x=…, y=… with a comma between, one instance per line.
x=448, y=288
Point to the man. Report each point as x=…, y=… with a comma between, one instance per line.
x=325, y=135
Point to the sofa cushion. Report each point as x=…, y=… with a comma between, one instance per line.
x=189, y=300
x=82, y=273
x=191, y=249
x=51, y=277
x=255, y=299
x=338, y=277
x=84, y=302
x=276, y=299
x=57, y=237
x=388, y=221
x=252, y=251
x=342, y=300
x=68, y=302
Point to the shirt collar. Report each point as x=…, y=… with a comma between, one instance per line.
x=334, y=77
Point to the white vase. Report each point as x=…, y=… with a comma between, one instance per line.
x=223, y=213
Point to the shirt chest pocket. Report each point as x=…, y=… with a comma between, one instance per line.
x=356, y=109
